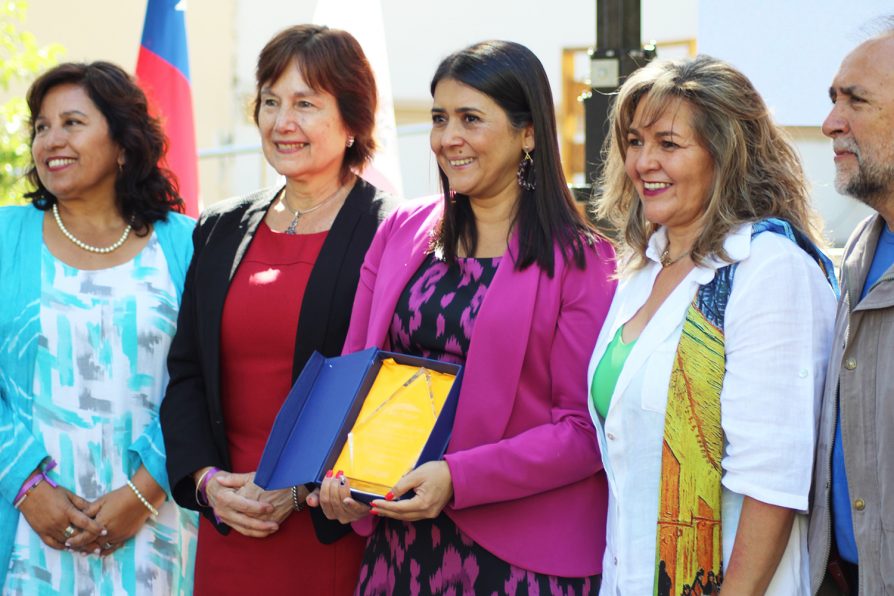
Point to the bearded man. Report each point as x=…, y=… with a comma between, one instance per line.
x=851, y=535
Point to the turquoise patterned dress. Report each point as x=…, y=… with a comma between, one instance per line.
x=99, y=380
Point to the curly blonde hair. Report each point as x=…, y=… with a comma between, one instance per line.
x=757, y=172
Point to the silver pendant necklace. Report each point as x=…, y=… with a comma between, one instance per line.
x=297, y=214
x=88, y=247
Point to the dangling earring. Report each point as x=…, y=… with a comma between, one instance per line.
x=527, y=176
x=41, y=200
x=350, y=142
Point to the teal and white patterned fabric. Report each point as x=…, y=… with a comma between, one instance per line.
x=99, y=379
x=23, y=341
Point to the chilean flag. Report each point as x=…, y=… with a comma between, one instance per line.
x=363, y=20
x=163, y=74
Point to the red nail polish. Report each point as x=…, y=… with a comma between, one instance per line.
x=329, y=474
x=340, y=473
x=373, y=511
x=389, y=496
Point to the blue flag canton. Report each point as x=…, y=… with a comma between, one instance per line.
x=164, y=32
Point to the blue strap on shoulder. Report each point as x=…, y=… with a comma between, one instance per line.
x=712, y=297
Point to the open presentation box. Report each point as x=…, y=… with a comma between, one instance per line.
x=327, y=424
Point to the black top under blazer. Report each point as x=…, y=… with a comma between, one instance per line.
x=191, y=415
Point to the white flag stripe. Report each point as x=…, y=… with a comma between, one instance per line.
x=363, y=20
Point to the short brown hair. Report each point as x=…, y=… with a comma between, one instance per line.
x=330, y=60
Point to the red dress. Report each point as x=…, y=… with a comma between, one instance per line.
x=260, y=319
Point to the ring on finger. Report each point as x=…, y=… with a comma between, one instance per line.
x=108, y=546
x=69, y=531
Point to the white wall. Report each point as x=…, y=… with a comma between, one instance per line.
x=791, y=51
x=669, y=21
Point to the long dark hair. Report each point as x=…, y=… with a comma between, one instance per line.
x=511, y=75
x=144, y=191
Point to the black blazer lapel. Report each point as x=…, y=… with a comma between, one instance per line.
x=227, y=250
x=249, y=225
x=329, y=297
x=194, y=432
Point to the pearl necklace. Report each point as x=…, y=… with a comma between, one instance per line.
x=297, y=214
x=83, y=245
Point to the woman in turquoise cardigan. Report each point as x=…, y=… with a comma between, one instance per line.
x=91, y=275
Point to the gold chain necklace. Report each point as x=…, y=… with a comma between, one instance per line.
x=665, y=259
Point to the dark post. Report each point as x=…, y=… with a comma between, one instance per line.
x=618, y=52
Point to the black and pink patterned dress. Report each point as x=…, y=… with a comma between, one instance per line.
x=434, y=318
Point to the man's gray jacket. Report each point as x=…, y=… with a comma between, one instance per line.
x=861, y=371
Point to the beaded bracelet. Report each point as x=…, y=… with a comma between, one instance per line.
x=142, y=499
x=26, y=489
x=296, y=504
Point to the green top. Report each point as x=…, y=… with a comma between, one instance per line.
x=607, y=372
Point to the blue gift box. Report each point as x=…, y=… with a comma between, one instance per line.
x=311, y=427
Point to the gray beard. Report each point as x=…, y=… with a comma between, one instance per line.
x=871, y=184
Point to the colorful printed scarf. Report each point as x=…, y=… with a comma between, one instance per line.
x=689, y=537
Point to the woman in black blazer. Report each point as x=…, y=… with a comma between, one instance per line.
x=272, y=279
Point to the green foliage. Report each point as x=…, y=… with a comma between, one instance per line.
x=20, y=61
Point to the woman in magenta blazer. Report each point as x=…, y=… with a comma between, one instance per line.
x=503, y=275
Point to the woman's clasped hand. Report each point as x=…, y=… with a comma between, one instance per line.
x=430, y=482
x=246, y=507
x=58, y=516
x=64, y=520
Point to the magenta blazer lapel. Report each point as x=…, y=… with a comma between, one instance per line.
x=496, y=354
x=397, y=275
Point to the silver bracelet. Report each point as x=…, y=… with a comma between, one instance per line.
x=142, y=499
x=296, y=504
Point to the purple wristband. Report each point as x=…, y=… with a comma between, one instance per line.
x=50, y=465
x=32, y=482
x=27, y=488
x=202, y=487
